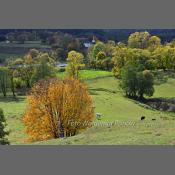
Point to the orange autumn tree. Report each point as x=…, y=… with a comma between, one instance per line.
x=57, y=108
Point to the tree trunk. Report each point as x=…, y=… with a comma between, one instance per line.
x=61, y=131
x=3, y=90
x=141, y=96
x=13, y=88
x=60, y=128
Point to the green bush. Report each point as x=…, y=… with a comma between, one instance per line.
x=3, y=133
x=137, y=83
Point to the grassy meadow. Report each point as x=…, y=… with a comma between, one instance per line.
x=120, y=122
x=88, y=74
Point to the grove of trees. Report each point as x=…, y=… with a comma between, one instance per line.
x=133, y=62
x=22, y=73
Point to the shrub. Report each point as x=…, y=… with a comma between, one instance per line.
x=3, y=133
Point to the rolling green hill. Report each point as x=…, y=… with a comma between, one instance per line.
x=124, y=113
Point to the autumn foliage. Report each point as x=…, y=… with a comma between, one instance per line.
x=57, y=108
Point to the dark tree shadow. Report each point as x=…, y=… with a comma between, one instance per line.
x=102, y=89
x=12, y=99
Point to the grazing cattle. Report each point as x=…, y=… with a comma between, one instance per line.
x=153, y=119
x=142, y=118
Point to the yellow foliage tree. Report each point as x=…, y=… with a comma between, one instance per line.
x=57, y=108
x=75, y=63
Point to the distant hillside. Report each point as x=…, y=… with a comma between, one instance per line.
x=166, y=35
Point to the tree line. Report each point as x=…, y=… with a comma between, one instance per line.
x=22, y=73
x=142, y=52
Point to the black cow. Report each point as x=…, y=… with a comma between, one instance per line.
x=142, y=118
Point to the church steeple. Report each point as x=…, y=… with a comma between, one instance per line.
x=93, y=40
